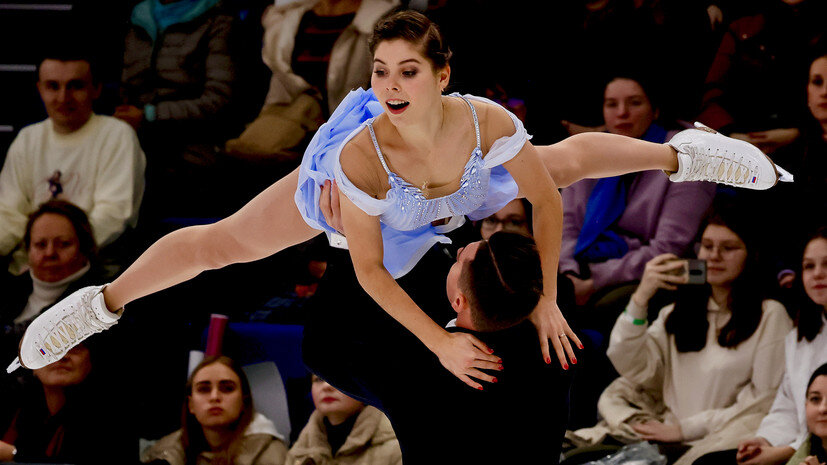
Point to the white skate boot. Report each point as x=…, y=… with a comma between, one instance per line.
x=706, y=155
x=51, y=335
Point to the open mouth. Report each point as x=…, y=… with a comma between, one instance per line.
x=397, y=106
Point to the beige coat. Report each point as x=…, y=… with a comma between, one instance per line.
x=657, y=382
x=261, y=445
x=350, y=60
x=371, y=442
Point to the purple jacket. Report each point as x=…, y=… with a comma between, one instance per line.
x=660, y=217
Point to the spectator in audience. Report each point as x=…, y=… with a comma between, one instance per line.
x=75, y=155
x=514, y=217
x=750, y=92
x=318, y=52
x=701, y=378
x=805, y=200
x=784, y=429
x=613, y=226
x=644, y=35
x=62, y=258
x=218, y=423
x=343, y=430
x=812, y=450
x=177, y=83
x=64, y=421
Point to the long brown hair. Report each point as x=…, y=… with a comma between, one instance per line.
x=192, y=437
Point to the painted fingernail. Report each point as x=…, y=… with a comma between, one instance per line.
x=500, y=361
x=494, y=380
x=565, y=366
x=574, y=360
x=480, y=388
x=490, y=351
x=548, y=360
x=500, y=368
x=582, y=346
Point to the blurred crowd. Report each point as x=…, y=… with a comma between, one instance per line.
x=218, y=99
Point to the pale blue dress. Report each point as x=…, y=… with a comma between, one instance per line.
x=405, y=213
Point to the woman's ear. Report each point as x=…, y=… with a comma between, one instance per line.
x=444, y=76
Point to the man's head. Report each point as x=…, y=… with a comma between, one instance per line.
x=68, y=87
x=495, y=284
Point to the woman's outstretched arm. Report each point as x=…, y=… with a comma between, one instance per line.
x=599, y=155
x=267, y=224
x=538, y=188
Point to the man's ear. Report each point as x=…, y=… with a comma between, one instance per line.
x=459, y=303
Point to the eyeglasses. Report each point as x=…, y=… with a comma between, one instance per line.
x=508, y=223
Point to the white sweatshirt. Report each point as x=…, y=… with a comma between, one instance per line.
x=786, y=424
x=99, y=168
x=702, y=389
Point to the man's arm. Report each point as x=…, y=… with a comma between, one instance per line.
x=119, y=185
x=15, y=205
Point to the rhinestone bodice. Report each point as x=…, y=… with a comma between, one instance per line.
x=413, y=210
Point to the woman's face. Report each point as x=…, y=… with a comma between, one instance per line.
x=331, y=403
x=627, y=109
x=72, y=369
x=725, y=255
x=54, y=251
x=816, y=408
x=817, y=90
x=216, y=399
x=405, y=82
x=510, y=218
x=814, y=271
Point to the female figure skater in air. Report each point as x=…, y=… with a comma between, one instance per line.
x=411, y=163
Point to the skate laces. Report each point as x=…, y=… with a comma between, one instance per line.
x=74, y=327
x=720, y=168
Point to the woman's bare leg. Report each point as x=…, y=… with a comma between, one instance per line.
x=269, y=223
x=599, y=155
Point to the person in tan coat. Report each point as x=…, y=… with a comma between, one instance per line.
x=343, y=431
x=219, y=425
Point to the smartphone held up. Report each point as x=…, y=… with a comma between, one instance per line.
x=693, y=269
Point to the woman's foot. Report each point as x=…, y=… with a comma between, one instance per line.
x=52, y=334
x=706, y=155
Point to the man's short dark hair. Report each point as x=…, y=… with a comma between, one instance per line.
x=72, y=50
x=504, y=282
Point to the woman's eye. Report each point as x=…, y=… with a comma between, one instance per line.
x=203, y=389
x=817, y=81
x=379, y=72
x=410, y=73
x=227, y=387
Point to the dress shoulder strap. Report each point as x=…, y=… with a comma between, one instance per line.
x=376, y=145
x=476, y=119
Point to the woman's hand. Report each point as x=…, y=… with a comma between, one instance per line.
x=770, y=140
x=551, y=324
x=583, y=289
x=811, y=460
x=654, y=430
x=758, y=451
x=658, y=274
x=464, y=355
